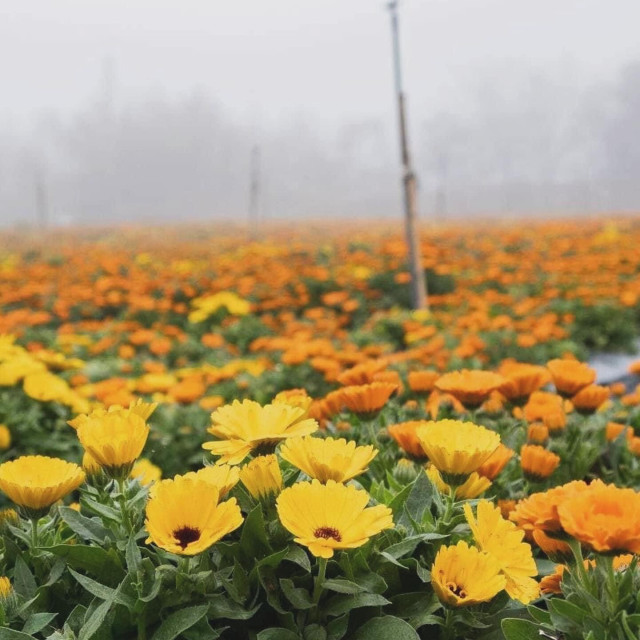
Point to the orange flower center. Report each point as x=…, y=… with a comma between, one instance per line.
x=328, y=532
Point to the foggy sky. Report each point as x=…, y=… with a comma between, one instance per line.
x=312, y=77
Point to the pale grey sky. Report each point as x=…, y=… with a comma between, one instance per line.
x=329, y=59
x=514, y=106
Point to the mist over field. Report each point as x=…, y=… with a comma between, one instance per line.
x=146, y=112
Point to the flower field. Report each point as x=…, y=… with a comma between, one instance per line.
x=208, y=437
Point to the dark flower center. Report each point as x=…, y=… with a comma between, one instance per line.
x=457, y=590
x=186, y=535
x=328, y=532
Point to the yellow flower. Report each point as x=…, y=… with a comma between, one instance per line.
x=185, y=517
x=457, y=448
x=503, y=541
x=462, y=575
x=8, y=516
x=473, y=486
x=243, y=427
x=326, y=517
x=262, y=477
x=327, y=458
x=90, y=465
x=223, y=476
x=16, y=368
x=36, y=482
x=207, y=305
x=5, y=588
x=114, y=441
x=45, y=387
x=141, y=409
x=5, y=437
x=146, y=472
x=294, y=397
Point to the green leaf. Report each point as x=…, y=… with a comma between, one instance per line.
x=343, y=603
x=297, y=555
x=37, y=621
x=94, y=560
x=566, y=616
x=23, y=581
x=277, y=633
x=222, y=607
x=133, y=556
x=94, y=623
x=102, y=591
x=516, y=629
x=179, y=621
x=418, y=501
x=539, y=615
x=385, y=628
x=314, y=632
x=337, y=628
x=342, y=586
x=9, y=634
x=298, y=597
x=253, y=539
x=86, y=528
x=409, y=544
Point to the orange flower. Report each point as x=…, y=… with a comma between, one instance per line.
x=546, y=407
x=422, y=381
x=569, y=376
x=506, y=507
x=521, y=380
x=404, y=433
x=540, y=510
x=614, y=429
x=471, y=387
x=367, y=399
x=603, y=517
x=496, y=462
x=551, y=584
x=590, y=398
x=537, y=462
x=553, y=547
x=538, y=433
x=362, y=373
x=436, y=400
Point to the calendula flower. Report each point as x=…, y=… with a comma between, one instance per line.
x=540, y=510
x=184, y=515
x=5, y=437
x=422, y=382
x=367, y=399
x=457, y=448
x=538, y=433
x=471, y=387
x=45, y=386
x=34, y=483
x=262, y=477
x=6, y=590
x=9, y=516
x=404, y=433
x=502, y=540
x=551, y=584
x=146, y=472
x=537, y=462
x=90, y=465
x=462, y=575
x=243, y=427
x=326, y=517
x=555, y=548
x=114, y=441
x=546, y=407
x=472, y=487
x=521, y=380
x=294, y=397
x=327, y=458
x=590, y=398
x=603, y=517
x=569, y=376
x=223, y=476
x=138, y=408
x=614, y=429
x=496, y=462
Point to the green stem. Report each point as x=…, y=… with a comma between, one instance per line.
x=34, y=533
x=142, y=625
x=123, y=505
x=318, y=588
x=449, y=626
x=451, y=500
